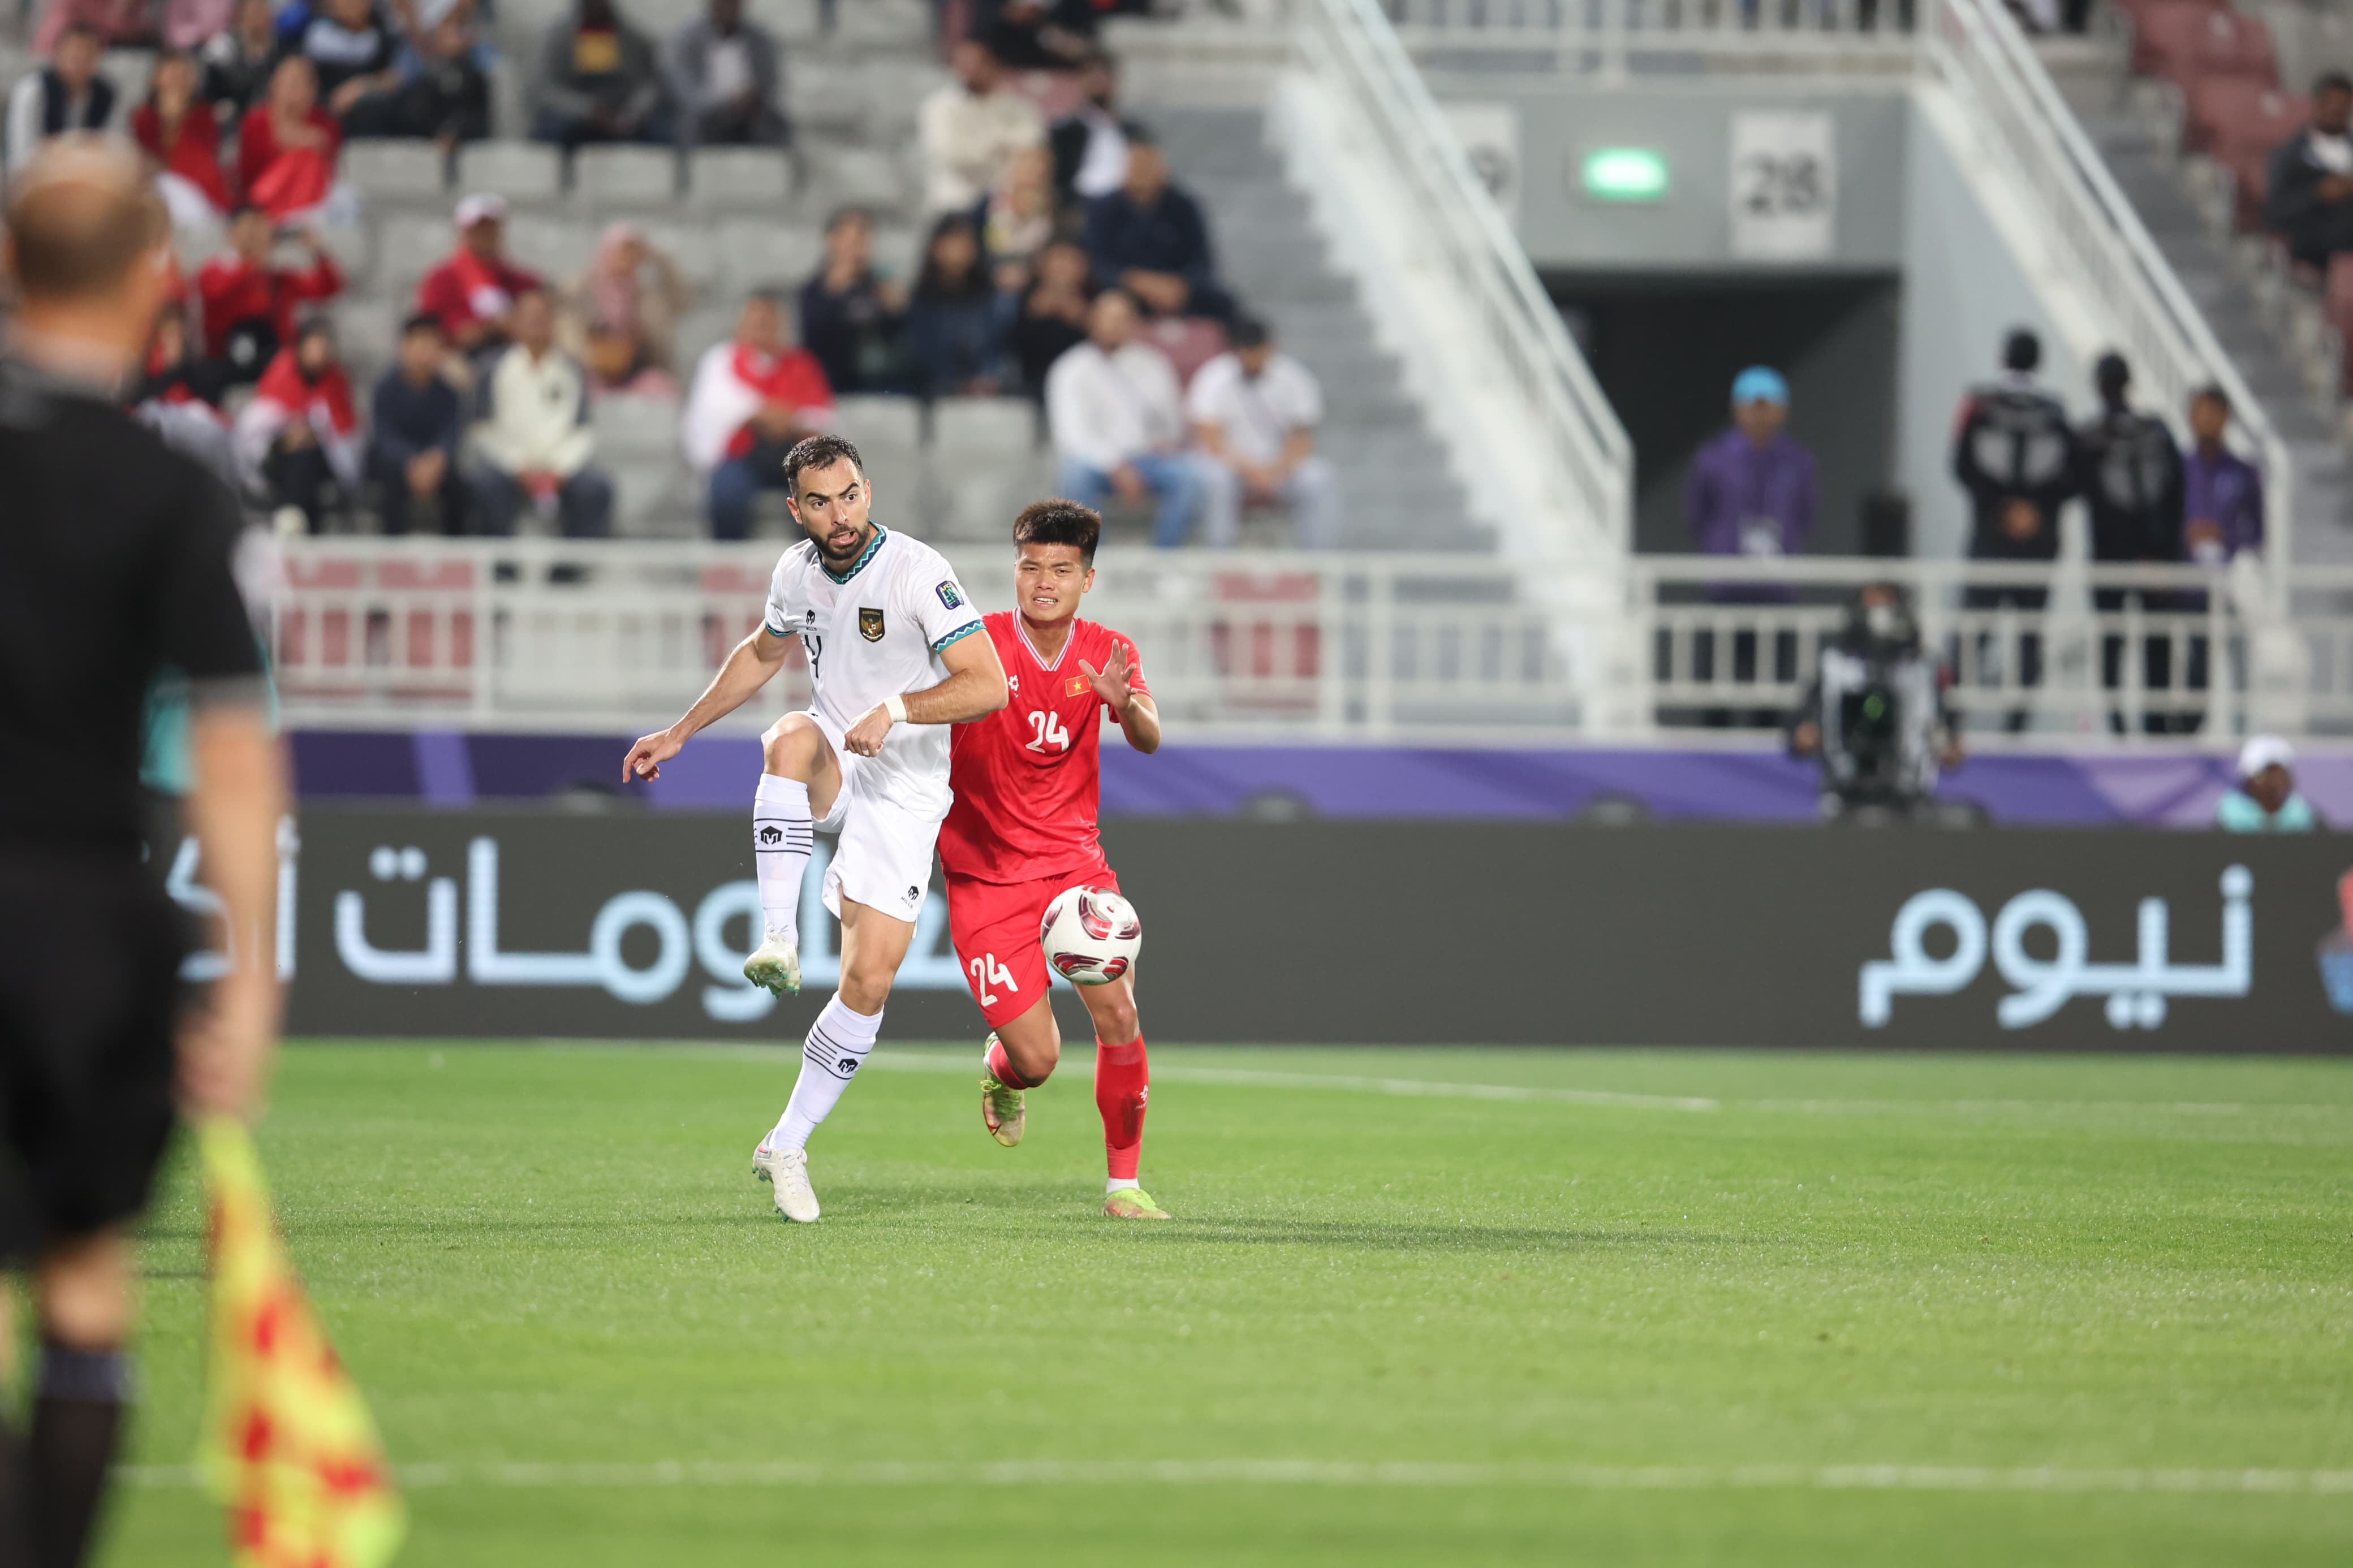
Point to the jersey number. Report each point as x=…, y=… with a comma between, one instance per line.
x=986, y=972
x=1050, y=733
x=816, y=647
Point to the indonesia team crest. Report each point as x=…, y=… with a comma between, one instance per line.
x=870, y=625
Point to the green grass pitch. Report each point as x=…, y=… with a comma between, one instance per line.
x=1546, y=1307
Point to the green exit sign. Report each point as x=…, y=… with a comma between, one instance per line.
x=1623, y=175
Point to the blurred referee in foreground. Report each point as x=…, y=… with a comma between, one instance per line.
x=115, y=565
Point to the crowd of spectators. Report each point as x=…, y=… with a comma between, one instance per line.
x=1053, y=254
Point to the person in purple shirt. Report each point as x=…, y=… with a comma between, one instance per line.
x=1751, y=493
x=2222, y=503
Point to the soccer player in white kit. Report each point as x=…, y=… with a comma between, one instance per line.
x=897, y=654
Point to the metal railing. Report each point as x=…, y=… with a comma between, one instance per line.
x=1612, y=38
x=1350, y=48
x=617, y=638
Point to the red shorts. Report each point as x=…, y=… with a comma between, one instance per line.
x=995, y=928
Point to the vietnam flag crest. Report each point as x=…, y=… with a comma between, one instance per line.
x=288, y=1445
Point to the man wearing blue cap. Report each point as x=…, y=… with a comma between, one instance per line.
x=1752, y=490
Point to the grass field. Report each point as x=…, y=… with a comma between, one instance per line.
x=1627, y=1307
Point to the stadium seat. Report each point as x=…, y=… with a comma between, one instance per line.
x=523, y=172
x=2235, y=45
x=690, y=245
x=756, y=255
x=554, y=248
x=898, y=250
x=885, y=22
x=411, y=249
x=625, y=176
x=2165, y=36
x=738, y=180
x=896, y=91
x=397, y=171
x=824, y=102
x=637, y=427
x=649, y=492
x=1189, y=342
x=366, y=332
x=860, y=176
x=2244, y=123
x=129, y=70
x=967, y=428
x=699, y=331
x=886, y=432
x=792, y=21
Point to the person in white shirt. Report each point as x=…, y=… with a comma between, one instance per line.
x=1254, y=413
x=970, y=129
x=897, y=654
x=67, y=94
x=1117, y=418
x=531, y=442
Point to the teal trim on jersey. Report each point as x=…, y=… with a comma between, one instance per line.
x=167, y=766
x=956, y=636
x=864, y=555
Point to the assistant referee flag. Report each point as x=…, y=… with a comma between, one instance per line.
x=288, y=1445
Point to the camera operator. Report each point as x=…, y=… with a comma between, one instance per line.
x=1877, y=714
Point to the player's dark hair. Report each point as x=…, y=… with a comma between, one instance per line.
x=2022, y=350
x=819, y=452
x=1060, y=521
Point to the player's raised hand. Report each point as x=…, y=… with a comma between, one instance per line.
x=646, y=758
x=1111, y=682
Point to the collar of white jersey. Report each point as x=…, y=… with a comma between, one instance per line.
x=858, y=566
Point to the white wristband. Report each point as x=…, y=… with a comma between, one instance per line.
x=896, y=707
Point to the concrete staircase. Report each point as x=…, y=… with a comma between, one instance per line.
x=2148, y=177
x=1396, y=490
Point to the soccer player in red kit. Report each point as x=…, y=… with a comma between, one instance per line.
x=1022, y=831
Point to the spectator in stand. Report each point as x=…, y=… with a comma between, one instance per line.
x=69, y=93
x=2309, y=184
x=179, y=133
x=955, y=323
x=2130, y=474
x=238, y=62
x=2222, y=493
x=970, y=129
x=1033, y=35
x=1118, y=423
x=1752, y=490
x=355, y=49
x=178, y=397
x=532, y=442
x=474, y=292
x=287, y=148
x=1018, y=220
x=412, y=453
x=2015, y=456
x=298, y=439
x=1254, y=412
x=1149, y=238
x=444, y=96
x=723, y=79
x=1090, y=145
x=621, y=311
x=1052, y=318
x=250, y=301
x=753, y=398
x=851, y=316
x=597, y=80
x=2266, y=800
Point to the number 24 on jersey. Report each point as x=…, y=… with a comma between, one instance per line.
x=1046, y=729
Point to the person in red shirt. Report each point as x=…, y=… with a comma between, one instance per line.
x=753, y=398
x=248, y=300
x=1022, y=832
x=287, y=145
x=473, y=290
x=181, y=134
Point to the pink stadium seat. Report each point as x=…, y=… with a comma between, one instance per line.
x=2235, y=44
x=1057, y=94
x=2239, y=122
x=2338, y=302
x=2166, y=35
x=1189, y=342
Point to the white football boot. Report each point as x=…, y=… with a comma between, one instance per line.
x=787, y=1171
x=776, y=966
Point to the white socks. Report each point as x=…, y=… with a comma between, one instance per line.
x=781, y=835
x=837, y=1046
x=1118, y=1184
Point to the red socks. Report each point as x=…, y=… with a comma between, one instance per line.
x=1001, y=1067
x=1122, y=1079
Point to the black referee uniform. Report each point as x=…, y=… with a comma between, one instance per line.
x=116, y=564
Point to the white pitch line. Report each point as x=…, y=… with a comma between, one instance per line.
x=1333, y=1473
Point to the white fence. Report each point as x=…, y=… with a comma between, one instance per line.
x=619, y=637
x=1611, y=39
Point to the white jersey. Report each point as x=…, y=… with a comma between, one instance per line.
x=875, y=632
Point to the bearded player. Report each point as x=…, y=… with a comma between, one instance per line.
x=1022, y=830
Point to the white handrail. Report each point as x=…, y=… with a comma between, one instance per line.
x=1350, y=46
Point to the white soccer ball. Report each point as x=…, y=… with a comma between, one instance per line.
x=1092, y=936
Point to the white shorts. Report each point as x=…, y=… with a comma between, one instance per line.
x=884, y=857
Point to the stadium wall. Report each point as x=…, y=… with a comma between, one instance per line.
x=491, y=924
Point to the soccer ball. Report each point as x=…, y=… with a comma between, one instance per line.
x=1090, y=936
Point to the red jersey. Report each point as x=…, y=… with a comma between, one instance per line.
x=1028, y=776
x=235, y=290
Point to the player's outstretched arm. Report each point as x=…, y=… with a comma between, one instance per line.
x=1139, y=721
x=239, y=796
x=747, y=670
x=974, y=687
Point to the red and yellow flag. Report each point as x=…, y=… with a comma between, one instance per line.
x=287, y=1446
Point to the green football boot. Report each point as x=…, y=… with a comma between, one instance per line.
x=1133, y=1202
x=1002, y=1110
